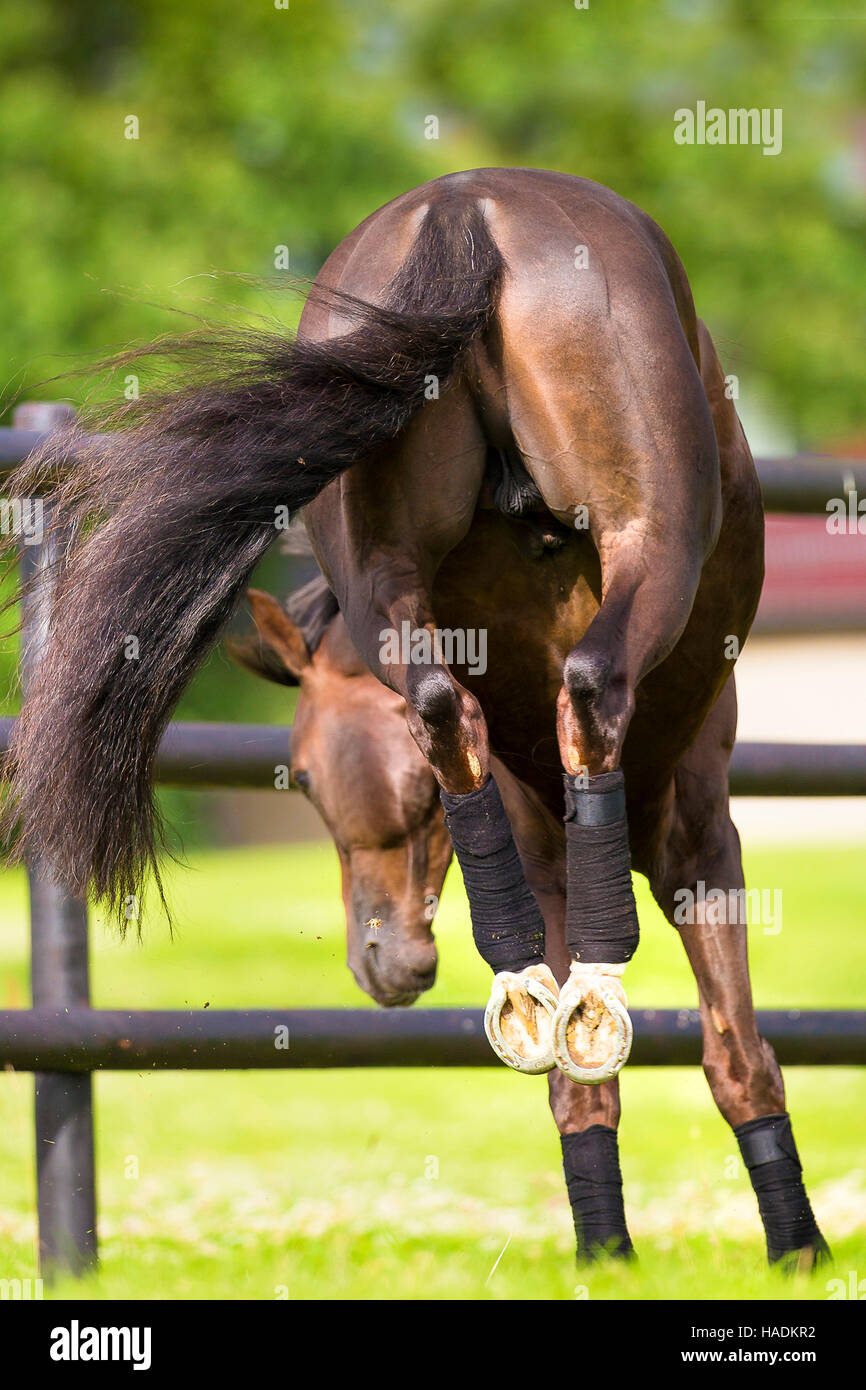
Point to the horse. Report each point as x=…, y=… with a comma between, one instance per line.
x=501, y=413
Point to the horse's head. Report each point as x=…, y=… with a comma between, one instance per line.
x=354, y=758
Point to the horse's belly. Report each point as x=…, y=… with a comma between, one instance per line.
x=517, y=617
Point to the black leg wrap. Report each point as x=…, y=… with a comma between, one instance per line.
x=600, y=917
x=590, y=1161
x=770, y=1154
x=506, y=920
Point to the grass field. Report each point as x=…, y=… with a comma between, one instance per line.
x=390, y=1184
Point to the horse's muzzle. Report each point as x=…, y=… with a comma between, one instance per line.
x=394, y=971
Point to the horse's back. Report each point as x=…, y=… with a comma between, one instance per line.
x=542, y=222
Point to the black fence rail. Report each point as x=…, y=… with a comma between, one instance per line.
x=63, y=1041
x=209, y=755
x=79, y=1040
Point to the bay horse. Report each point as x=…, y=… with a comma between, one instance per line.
x=500, y=413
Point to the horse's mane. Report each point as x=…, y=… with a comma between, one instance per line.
x=313, y=607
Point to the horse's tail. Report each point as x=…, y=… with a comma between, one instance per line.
x=163, y=521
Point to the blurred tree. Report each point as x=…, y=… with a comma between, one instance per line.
x=260, y=127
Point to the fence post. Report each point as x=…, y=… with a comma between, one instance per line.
x=65, y=1174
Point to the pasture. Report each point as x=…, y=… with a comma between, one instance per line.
x=413, y=1184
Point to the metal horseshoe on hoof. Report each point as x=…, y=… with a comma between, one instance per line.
x=570, y=1000
x=539, y=1058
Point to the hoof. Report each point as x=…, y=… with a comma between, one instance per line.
x=616, y=1248
x=518, y=1019
x=592, y=1032
x=806, y=1260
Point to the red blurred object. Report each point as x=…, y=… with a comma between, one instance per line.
x=816, y=579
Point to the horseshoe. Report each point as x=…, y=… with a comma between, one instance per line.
x=532, y=994
x=610, y=993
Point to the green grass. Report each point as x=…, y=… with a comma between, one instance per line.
x=390, y=1184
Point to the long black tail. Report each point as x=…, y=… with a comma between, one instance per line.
x=166, y=517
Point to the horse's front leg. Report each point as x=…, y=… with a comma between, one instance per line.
x=587, y=1118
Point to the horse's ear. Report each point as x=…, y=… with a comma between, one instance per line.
x=279, y=652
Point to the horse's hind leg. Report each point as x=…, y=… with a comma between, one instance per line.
x=607, y=407
x=380, y=561
x=507, y=925
x=648, y=592
x=702, y=847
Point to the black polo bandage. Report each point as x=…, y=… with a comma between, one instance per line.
x=590, y=1161
x=600, y=916
x=770, y=1154
x=506, y=920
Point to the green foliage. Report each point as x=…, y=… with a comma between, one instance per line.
x=261, y=127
